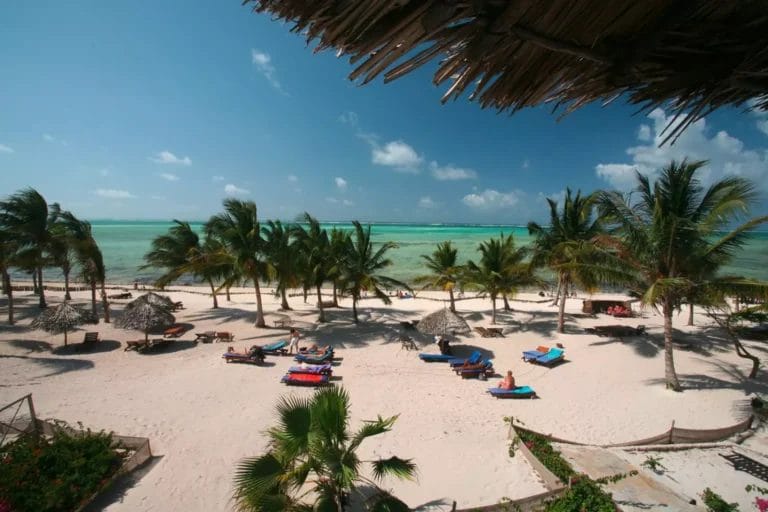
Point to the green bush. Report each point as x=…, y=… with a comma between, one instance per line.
x=584, y=495
x=542, y=449
x=715, y=503
x=56, y=474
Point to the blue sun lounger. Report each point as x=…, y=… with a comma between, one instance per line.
x=276, y=348
x=436, y=358
x=533, y=354
x=486, y=370
x=554, y=356
x=315, y=359
x=473, y=358
x=518, y=392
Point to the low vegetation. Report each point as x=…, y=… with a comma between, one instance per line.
x=55, y=474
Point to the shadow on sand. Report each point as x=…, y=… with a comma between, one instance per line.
x=56, y=365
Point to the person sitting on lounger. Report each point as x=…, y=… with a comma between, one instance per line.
x=508, y=382
x=255, y=352
x=443, y=344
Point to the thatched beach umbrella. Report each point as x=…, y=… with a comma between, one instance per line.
x=152, y=298
x=145, y=316
x=61, y=319
x=443, y=321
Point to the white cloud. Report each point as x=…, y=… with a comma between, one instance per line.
x=726, y=154
x=644, y=133
x=451, y=173
x=168, y=176
x=166, y=157
x=526, y=164
x=233, y=190
x=6, y=149
x=331, y=200
x=293, y=178
x=347, y=202
x=334, y=200
x=263, y=63
x=158, y=198
x=490, y=199
x=111, y=193
x=397, y=154
x=341, y=183
x=104, y=172
x=349, y=118
x=763, y=126
x=50, y=138
x=426, y=202
x=217, y=178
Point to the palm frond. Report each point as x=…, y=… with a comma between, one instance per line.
x=404, y=469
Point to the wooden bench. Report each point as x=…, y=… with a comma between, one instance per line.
x=136, y=345
x=283, y=322
x=91, y=337
x=224, y=336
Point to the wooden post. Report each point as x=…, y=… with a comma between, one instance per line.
x=672, y=432
x=453, y=507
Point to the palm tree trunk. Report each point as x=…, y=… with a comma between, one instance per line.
x=105, y=302
x=259, y=308
x=690, y=313
x=93, y=299
x=561, y=311
x=35, y=287
x=335, y=295
x=43, y=305
x=354, y=307
x=493, y=309
x=65, y=337
x=9, y=291
x=306, y=292
x=506, y=302
x=228, y=297
x=321, y=318
x=559, y=287
x=213, y=294
x=740, y=350
x=453, y=303
x=670, y=376
x=284, y=300
x=65, y=270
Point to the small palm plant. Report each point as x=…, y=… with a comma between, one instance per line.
x=312, y=454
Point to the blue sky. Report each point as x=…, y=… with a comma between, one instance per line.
x=159, y=110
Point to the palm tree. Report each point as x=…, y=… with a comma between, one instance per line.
x=312, y=454
x=316, y=263
x=7, y=260
x=567, y=247
x=445, y=272
x=238, y=229
x=361, y=265
x=338, y=240
x=673, y=230
x=281, y=251
x=26, y=217
x=501, y=269
x=89, y=258
x=62, y=244
x=180, y=252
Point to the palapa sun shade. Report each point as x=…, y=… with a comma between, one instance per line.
x=693, y=56
x=61, y=319
x=443, y=321
x=145, y=316
x=152, y=298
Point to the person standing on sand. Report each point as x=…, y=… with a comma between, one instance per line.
x=294, y=341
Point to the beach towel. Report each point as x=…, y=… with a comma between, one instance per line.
x=436, y=358
x=304, y=379
x=473, y=358
x=314, y=359
x=518, y=392
x=312, y=369
x=276, y=348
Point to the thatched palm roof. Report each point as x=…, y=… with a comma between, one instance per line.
x=443, y=321
x=61, y=319
x=697, y=54
x=145, y=316
x=155, y=299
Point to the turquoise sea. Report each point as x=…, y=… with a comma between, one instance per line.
x=124, y=244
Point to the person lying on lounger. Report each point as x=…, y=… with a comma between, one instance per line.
x=255, y=352
x=314, y=350
x=508, y=382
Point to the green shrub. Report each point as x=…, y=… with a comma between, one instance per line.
x=551, y=458
x=715, y=503
x=56, y=474
x=584, y=495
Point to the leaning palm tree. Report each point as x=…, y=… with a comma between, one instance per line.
x=25, y=216
x=338, y=240
x=313, y=455
x=315, y=263
x=673, y=229
x=280, y=248
x=500, y=270
x=361, y=265
x=444, y=270
x=238, y=229
x=566, y=247
x=7, y=260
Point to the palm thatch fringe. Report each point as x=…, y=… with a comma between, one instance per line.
x=145, y=316
x=61, y=319
x=697, y=55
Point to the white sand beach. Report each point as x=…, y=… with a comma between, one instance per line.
x=203, y=415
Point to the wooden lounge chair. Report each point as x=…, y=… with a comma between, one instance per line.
x=224, y=336
x=91, y=337
x=174, y=332
x=407, y=343
x=136, y=345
